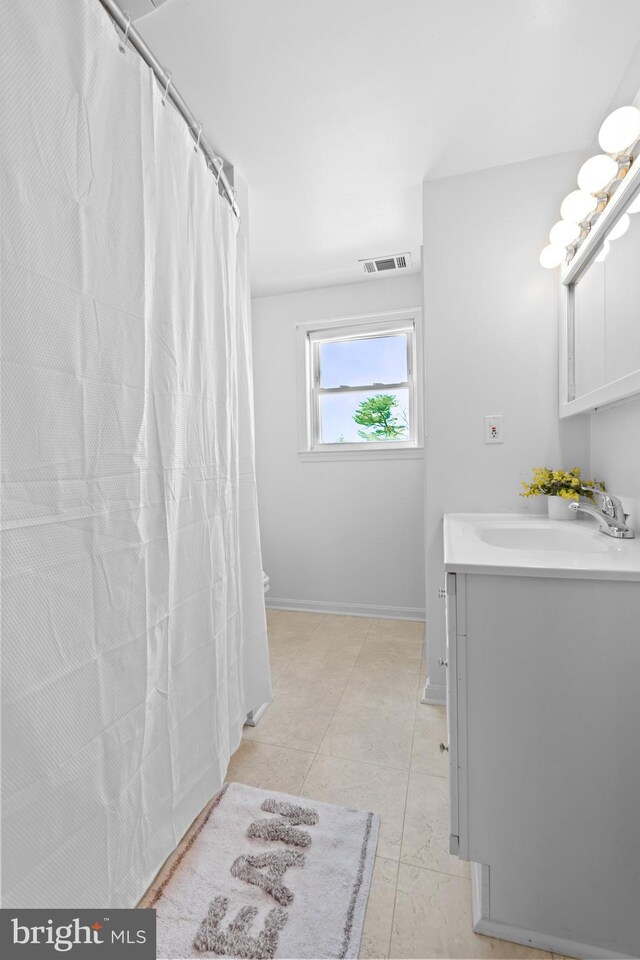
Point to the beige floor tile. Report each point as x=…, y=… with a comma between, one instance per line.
x=379, y=917
x=331, y=649
x=278, y=663
x=288, y=723
x=393, y=649
x=307, y=668
x=300, y=620
x=339, y=625
x=432, y=918
x=269, y=767
x=383, y=668
x=425, y=837
x=284, y=628
x=318, y=683
x=384, y=690
x=363, y=786
x=287, y=645
x=371, y=734
x=400, y=629
x=430, y=731
x=272, y=616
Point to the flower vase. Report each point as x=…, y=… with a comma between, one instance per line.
x=558, y=508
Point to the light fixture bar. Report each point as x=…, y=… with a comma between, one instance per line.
x=604, y=182
x=613, y=212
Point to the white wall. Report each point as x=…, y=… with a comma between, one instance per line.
x=491, y=315
x=349, y=536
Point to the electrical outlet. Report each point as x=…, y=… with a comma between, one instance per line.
x=493, y=429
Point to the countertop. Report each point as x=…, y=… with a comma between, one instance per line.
x=515, y=544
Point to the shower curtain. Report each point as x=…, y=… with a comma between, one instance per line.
x=134, y=639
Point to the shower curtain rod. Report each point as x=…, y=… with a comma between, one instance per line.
x=133, y=37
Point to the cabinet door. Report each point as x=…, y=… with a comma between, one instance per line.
x=456, y=617
x=452, y=710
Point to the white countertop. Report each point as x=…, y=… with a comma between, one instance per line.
x=516, y=544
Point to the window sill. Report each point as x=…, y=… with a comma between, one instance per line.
x=404, y=453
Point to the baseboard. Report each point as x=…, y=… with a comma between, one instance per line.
x=483, y=924
x=434, y=693
x=347, y=609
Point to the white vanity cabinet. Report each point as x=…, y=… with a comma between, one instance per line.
x=543, y=705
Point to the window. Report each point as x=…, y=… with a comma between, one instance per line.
x=361, y=385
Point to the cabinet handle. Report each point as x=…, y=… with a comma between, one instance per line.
x=444, y=747
x=442, y=662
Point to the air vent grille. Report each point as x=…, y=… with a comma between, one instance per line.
x=399, y=261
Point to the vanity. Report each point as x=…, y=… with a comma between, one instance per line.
x=543, y=710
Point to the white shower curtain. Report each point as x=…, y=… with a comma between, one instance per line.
x=134, y=640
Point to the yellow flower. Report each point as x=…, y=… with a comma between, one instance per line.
x=567, y=484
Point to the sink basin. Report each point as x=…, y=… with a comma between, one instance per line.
x=547, y=538
x=517, y=545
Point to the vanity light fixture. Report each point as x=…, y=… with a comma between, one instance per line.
x=620, y=228
x=553, y=256
x=620, y=131
x=578, y=206
x=635, y=206
x=597, y=173
x=564, y=233
x=598, y=178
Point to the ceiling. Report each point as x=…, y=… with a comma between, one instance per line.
x=335, y=111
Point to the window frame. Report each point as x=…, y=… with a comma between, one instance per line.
x=310, y=337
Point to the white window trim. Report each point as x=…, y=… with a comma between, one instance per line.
x=308, y=335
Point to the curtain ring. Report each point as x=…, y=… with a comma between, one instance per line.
x=198, y=140
x=123, y=42
x=166, y=89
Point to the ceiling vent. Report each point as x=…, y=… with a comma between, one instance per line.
x=401, y=261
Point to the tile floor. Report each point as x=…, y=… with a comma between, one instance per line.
x=346, y=726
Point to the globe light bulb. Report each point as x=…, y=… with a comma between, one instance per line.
x=552, y=256
x=597, y=173
x=635, y=206
x=620, y=130
x=603, y=253
x=620, y=228
x=564, y=233
x=578, y=206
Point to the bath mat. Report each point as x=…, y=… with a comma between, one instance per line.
x=268, y=875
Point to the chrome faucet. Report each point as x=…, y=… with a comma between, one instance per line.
x=611, y=515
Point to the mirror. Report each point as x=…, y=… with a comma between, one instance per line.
x=599, y=350
x=606, y=313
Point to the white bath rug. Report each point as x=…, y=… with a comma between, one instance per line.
x=268, y=875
